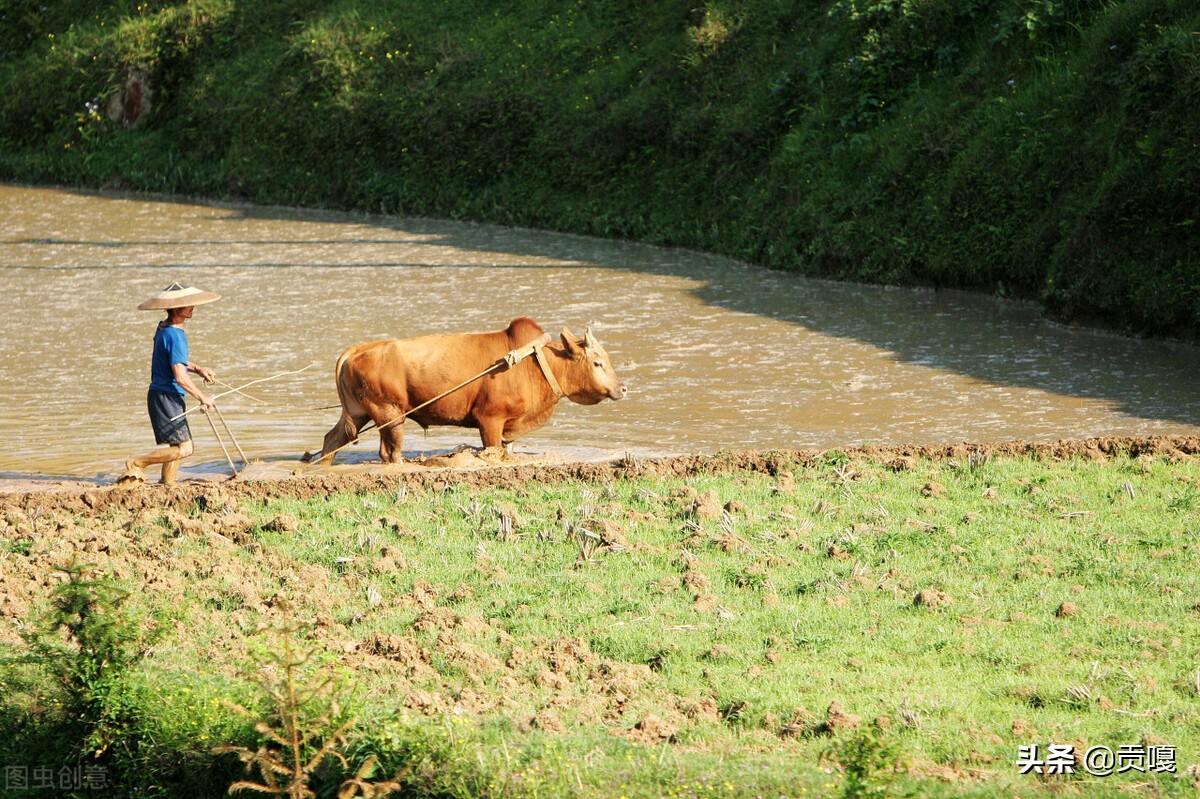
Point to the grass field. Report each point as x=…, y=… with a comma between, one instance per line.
x=847, y=628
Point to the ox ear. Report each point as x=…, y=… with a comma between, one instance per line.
x=570, y=342
x=589, y=340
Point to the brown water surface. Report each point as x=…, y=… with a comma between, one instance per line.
x=716, y=353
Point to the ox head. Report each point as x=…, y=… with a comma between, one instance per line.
x=592, y=378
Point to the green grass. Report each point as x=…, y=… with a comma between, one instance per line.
x=1037, y=148
x=490, y=663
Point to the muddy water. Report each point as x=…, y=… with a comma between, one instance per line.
x=716, y=353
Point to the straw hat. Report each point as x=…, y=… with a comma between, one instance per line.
x=177, y=296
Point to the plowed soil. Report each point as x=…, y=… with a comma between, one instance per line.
x=273, y=483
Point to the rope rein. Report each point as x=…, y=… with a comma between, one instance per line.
x=238, y=390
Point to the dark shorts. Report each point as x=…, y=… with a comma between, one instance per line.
x=162, y=405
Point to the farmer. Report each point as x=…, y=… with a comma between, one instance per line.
x=169, y=367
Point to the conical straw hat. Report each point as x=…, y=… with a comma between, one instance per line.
x=177, y=296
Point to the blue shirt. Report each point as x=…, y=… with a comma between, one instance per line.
x=170, y=348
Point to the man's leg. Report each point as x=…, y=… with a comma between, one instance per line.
x=134, y=467
x=171, y=468
x=168, y=456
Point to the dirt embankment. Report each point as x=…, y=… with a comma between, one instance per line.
x=95, y=499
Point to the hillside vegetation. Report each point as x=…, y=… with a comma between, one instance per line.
x=1039, y=148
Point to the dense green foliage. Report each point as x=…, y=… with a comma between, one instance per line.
x=1042, y=148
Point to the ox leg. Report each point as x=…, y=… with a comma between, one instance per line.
x=491, y=431
x=345, y=431
x=390, y=440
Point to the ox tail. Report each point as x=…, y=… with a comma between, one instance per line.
x=343, y=391
x=344, y=379
x=344, y=429
x=339, y=379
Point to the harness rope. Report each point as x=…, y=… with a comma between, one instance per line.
x=510, y=359
x=239, y=390
x=542, y=362
x=220, y=382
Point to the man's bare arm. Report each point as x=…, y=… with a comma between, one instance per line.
x=181, y=377
x=203, y=371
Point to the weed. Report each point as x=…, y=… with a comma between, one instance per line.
x=975, y=467
x=472, y=512
x=1079, y=697
x=845, y=474
x=868, y=759
x=89, y=643
x=587, y=542
x=19, y=546
x=835, y=459
x=506, y=524
x=1185, y=502
x=728, y=539
x=306, y=729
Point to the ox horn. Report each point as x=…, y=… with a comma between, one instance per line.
x=569, y=340
x=589, y=340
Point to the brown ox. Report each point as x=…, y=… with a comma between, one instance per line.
x=380, y=380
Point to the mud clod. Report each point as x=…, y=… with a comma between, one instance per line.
x=696, y=581
x=403, y=649
x=1066, y=610
x=707, y=506
x=703, y=710
x=423, y=594
x=836, y=719
x=651, y=730
x=802, y=723
x=549, y=722
x=18, y=495
x=545, y=678
x=932, y=598
x=283, y=523
x=612, y=535
x=235, y=526
x=435, y=619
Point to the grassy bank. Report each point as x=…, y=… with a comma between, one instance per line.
x=1041, y=148
x=847, y=627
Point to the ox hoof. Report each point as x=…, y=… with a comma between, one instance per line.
x=495, y=454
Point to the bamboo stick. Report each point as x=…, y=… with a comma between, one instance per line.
x=220, y=382
x=232, y=437
x=213, y=425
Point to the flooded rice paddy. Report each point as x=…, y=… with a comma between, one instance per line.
x=717, y=354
